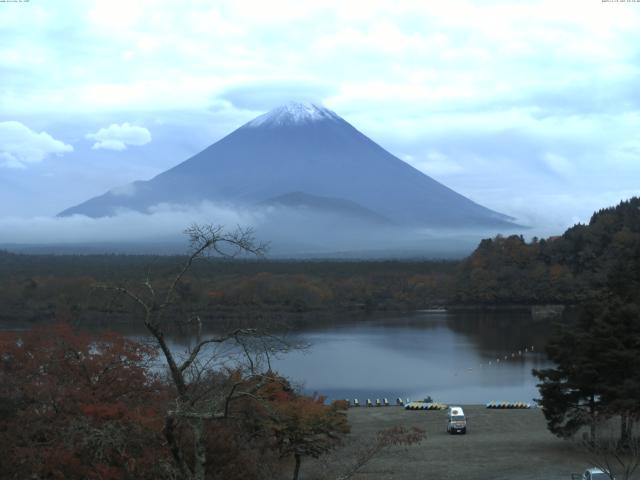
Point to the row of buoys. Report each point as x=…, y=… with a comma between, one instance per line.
x=500, y=359
x=508, y=405
x=425, y=406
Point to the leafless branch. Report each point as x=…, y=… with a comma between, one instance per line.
x=196, y=350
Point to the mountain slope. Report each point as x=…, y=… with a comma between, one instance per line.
x=330, y=206
x=307, y=149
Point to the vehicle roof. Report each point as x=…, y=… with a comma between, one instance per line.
x=456, y=411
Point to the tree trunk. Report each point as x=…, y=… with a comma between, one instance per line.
x=296, y=470
x=199, y=449
x=625, y=431
x=592, y=412
x=176, y=452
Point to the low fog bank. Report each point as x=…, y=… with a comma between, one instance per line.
x=292, y=232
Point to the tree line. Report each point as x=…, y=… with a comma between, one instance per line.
x=41, y=287
x=595, y=382
x=566, y=269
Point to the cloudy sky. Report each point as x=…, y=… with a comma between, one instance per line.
x=531, y=108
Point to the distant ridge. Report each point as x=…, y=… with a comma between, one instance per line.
x=302, y=151
x=328, y=205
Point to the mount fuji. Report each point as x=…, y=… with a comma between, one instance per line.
x=302, y=155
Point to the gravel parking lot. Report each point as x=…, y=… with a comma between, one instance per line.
x=500, y=444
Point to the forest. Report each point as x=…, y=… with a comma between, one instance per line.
x=566, y=269
x=505, y=270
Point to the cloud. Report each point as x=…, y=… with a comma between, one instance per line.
x=118, y=137
x=20, y=146
x=433, y=163
x=272, y=93
x=288, y=230
x=164, y=221
x=558, y=163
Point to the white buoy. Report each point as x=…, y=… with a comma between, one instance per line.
x=399, y=401
x=356, y=403
x=386, y=402
x=378, y=402
x=369, y=404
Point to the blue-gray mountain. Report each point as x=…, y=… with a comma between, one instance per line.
x=302, y=155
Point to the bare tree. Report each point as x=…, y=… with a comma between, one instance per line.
x=201, y=396
x=394, y=436
x=617, y=460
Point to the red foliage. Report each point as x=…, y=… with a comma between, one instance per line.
x=74, y=405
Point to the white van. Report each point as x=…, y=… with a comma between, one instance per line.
x=456, y=421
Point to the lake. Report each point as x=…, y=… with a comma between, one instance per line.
x=454, y=357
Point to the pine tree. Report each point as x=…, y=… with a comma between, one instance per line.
x=597, y=373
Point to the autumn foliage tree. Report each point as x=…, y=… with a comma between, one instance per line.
x=77, y=406
x=304, y=426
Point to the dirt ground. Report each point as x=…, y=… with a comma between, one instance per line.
x=499, y=444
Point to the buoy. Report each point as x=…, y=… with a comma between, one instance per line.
x=386, y=402
x=399, y=401
x=356, y=403
x=378, y=402
x=369, y=404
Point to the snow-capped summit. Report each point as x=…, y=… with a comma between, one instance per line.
x=292, y=113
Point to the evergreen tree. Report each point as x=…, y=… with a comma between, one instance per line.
x=597, y=373
x=570, y=396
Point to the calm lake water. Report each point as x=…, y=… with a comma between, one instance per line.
x=450, y=356
x=453, y=357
